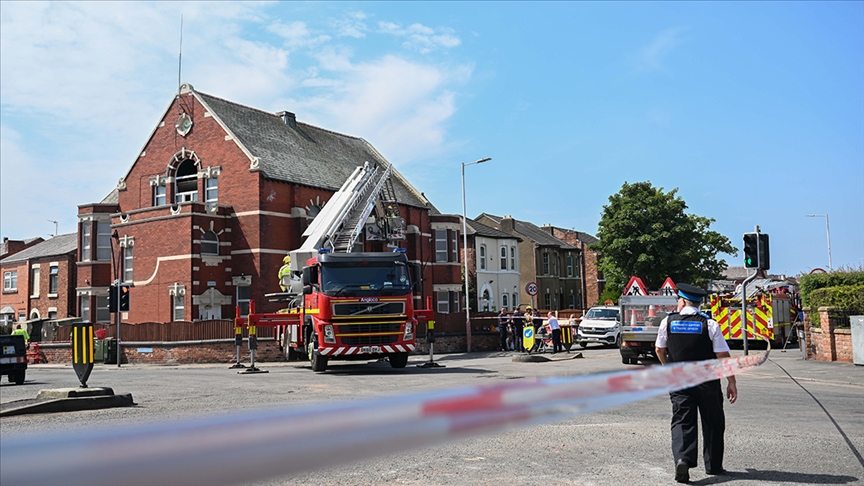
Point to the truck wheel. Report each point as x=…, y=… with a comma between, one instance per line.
x=625, y=360
x=398, y=360
x=19, y=377
x=583, y=344
x=319, y=363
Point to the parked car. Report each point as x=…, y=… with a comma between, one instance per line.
x=13, y=360
x=601, y=325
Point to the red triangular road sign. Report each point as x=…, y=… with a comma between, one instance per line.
x=668, y=287
x=635, y=287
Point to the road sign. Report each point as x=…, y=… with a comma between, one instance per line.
x=668, y=287
x=528, y=335
x=531, y=288
x=635, y=287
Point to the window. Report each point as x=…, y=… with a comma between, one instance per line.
x=443, y=299
x=186, y=182
x=103, y=241
x=53, y=279
x=243, y=299
x=504, y=301
x=102, y=312
x=34, y=282
x=454, y=301
x=515, y=299
x=572, y=300
x=85, y=241
x=211, y=190
x=512, y=258
x=482, y=257
x=440, y=245
x=52, y=314
x=503, y=258
x=127, y=264
x=179, y=307
x=10, y=280
x=159, y=197
x=546, y=264
x=569, y=265
x=547, y=301
x=209, y=243
x=557, y=269
x=454, y=246
x=576, y=271
x=85, y=308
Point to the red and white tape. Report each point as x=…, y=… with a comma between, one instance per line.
x=233, y=449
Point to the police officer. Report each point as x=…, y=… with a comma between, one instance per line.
x=503, y=321
x=518, y=326
x=689, y=335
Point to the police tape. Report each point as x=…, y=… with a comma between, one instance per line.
x=260, y=444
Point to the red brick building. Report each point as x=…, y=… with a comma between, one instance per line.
x=39, y=281
x=216, y=198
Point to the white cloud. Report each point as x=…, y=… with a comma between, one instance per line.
x=83, y=84
x=651, y=56
x=420, y=37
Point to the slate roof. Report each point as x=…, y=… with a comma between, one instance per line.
x=59, y=245
x=4, y=247
x=480, y=229
x=306, y=155
x=533, y=232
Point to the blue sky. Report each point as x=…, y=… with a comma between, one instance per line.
x=753, y=110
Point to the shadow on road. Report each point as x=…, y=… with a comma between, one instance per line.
x=776, y=477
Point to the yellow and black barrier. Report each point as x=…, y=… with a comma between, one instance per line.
x=82, y=351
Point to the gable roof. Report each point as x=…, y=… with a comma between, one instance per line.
x=301, y=153
x=57, y=246
x=479, y=229
x=532, y=232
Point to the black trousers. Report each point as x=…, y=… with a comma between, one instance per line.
x=707, y=399
x=517, y=336
x=556, y=340
x=502, y=331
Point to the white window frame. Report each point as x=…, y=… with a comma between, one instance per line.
x=211, y=190
x=569, y=264
x=160, y=195
x=505, y=298
x=441, y=252
x=545, y=263
x=53, y=279
x=211, y=245
x=86, y=242
x=85, y=307
x=482, y=258
x=128, y=263
x=512, y=258
x=10, y=281
x=102, y=312
x=454, y=246
x=243, y=302
x=178, y=307
x=443, y=306
x=515, y=302
x=503, y=257
x=103, y=241
x=34, y=281
x=185, y=196
x=455, y=302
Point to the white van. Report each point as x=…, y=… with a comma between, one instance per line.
x=601, y=325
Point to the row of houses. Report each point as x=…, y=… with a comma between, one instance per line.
x=221, y=192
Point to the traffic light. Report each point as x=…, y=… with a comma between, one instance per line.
x=756, y=251
x=751, y=250
x=112, y=298
x=124, y=298
x=764, y=254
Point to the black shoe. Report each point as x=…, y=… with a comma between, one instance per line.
x=719, y=472
x=682, y=471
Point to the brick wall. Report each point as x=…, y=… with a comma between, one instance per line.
x=824, y=341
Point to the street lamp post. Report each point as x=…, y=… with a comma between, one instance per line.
x=828, y=231
x=465, y=257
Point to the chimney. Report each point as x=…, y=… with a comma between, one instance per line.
x=507, y=224
x=289, y=118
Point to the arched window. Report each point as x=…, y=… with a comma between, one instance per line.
x=186, y=182
x=209, y=243
x=482, y=257
x=504, y=303
x=503, y=258
x=512, y=258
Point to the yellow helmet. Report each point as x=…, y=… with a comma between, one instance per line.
x=528, y=308
x=287, y=259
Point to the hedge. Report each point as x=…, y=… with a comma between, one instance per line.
x=838, y=278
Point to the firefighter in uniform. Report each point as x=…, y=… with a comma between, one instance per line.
x=689, y=335
x=285, y=270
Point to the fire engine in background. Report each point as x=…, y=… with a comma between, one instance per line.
x=769, y=311
x=345, y=304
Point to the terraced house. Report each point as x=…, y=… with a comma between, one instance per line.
x=217, y=196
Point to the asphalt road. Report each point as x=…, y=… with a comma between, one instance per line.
x=796, y=422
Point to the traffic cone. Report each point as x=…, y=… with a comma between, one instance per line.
x=632, y=317
x=651, y=311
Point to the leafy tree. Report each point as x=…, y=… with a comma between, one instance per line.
x=645, y=232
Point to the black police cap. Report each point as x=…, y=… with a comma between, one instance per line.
x=691, y=292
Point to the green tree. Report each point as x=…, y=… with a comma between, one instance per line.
x=645, y=232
